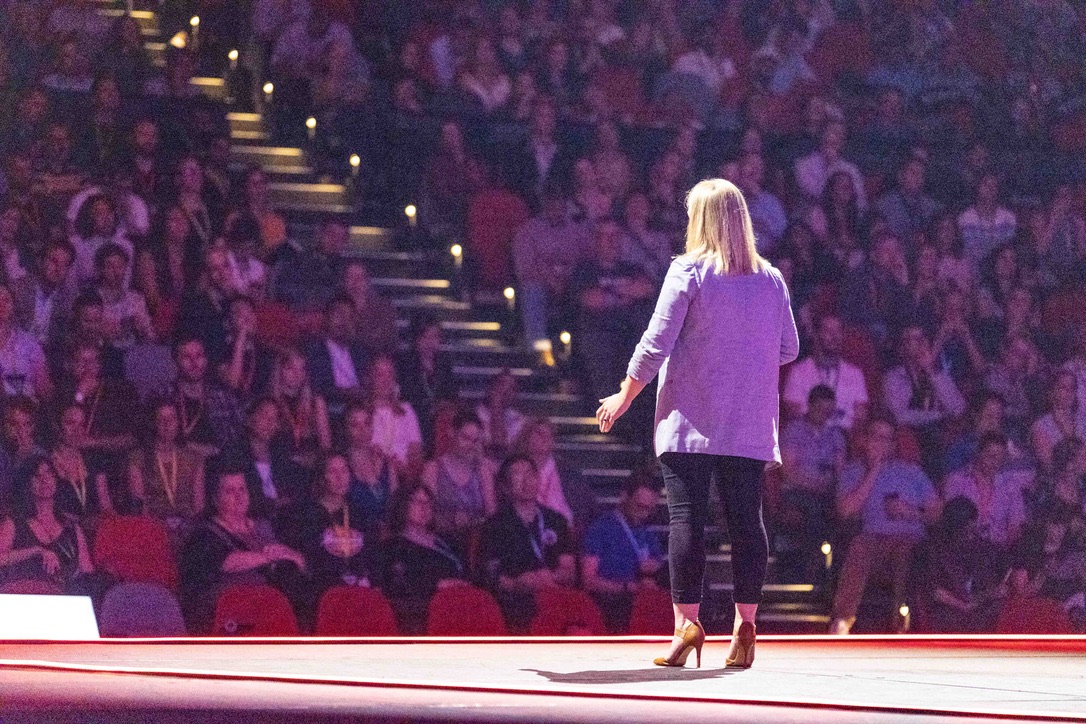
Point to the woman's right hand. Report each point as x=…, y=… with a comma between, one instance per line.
x=50, y=562
x=610, y=409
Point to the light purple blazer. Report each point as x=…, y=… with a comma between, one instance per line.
x=718, y=342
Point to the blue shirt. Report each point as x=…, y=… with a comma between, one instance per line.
x=608, y=539
x=718, y=341
x=907, y=480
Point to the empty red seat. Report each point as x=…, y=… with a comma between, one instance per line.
x=566, y=612
x=254, y=610
x=464, y=611
x=651, y=613
x=355, y=611
x=1029, y=615
x=135, y=548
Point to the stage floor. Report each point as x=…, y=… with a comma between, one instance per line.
x=795, y=679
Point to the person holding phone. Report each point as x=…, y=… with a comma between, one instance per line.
x=892, y=500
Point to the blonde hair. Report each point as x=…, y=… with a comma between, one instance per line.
x=719, y=228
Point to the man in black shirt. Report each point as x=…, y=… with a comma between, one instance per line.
x=525, y=547
x=614, y=302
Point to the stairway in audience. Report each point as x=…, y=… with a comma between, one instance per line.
x=479, y=338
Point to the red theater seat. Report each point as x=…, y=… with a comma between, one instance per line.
x=1033, y=616
x=135, y=548
x=464, y=611
x=651, y=613
x=354, y=611
x=566, y=612
x=248, y=610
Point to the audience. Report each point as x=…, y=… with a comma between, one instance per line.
x=925, y=206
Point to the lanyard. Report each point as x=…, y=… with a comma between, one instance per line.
x=642, y=551
x=169, y=480
x=537, y=542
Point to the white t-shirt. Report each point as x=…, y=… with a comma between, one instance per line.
x=249, y=276
x=343, y=371
x=394, y=434
x=21, y=361
x=845, y=379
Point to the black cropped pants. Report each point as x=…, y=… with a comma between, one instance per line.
x=687, y=477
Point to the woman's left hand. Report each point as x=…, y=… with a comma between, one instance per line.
x=611, y=408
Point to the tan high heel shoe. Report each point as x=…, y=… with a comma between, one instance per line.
x=693, y=637
x=741, y=654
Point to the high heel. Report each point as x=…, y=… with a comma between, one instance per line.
x=693, y=638
x=742, y=651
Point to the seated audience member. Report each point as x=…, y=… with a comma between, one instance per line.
x=232, y=545
x=304, y=413
x=524, y=547
x=248, y=364
x=275, y=480
x=373, y=473
x=614, y=301
x=167, y=265
x=248, y=274
x=767, y=214
x=825, y=367
x=1063, y=420
x=41, y=543
x=621, y=554
x=875, y=295
x=210, y=418
x=1054, y=546
x=375, y=315
x=83, y=491
x=337, y=363
x=415, y=561
x=560, y=489
x=43, y=299
x=462, y=481
x=395, y=425
x=1001, y=507
x=986, y=225
x=87, y=328
x=907, y=210
x=204, y=305
x=124, y=311
x=892, y=500
x=97, y=227
x=426, y=376
x=813, y=171
x=21, y=442
x=546, y=251
x=962, y=587
x=110, y=429
x=989, y=417
x=165, y=478
x=272, y=226
x=1020, y=377
x=309, y=280
x=501, y=421
x=333, y=534
x=813, y=452
x=920, y=396
x=23, y=370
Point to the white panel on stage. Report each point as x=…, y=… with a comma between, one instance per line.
x=58, y=618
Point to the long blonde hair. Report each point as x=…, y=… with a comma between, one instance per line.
x=719, y=228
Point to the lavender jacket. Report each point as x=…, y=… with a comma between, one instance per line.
x=718, y=342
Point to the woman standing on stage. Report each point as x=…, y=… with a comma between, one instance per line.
x=723, y=326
